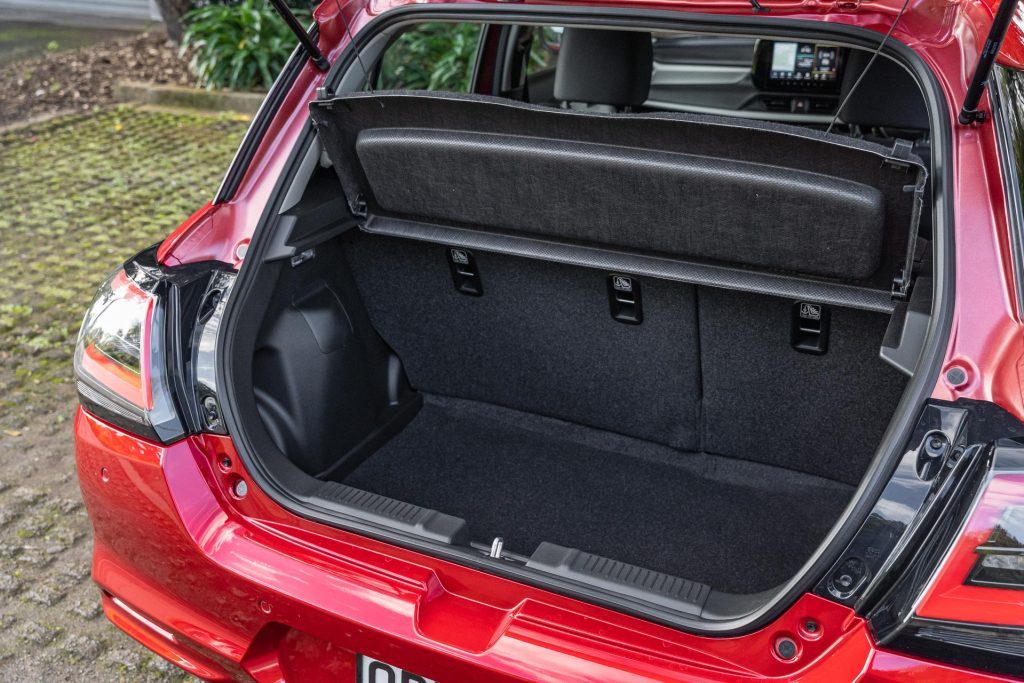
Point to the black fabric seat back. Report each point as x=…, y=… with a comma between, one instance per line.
x=749, y=194
x=539, y=339
x=707, y=370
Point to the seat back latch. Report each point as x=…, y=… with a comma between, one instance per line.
x=465, y=274
x=625, y=299
x=809, y=327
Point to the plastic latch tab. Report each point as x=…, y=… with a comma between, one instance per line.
x=465, y=274
x=809, y=327
x=625, y=299
x=900, y=154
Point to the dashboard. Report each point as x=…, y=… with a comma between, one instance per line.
x=797, y=67
x=782, y=80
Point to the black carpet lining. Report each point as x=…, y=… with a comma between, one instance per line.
x=709, y=370
x=738, y=526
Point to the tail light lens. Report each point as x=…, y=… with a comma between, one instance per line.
x=120, y=360
x=969, y=604
x=981, y=579
x=1001, y=561
x=113, y=345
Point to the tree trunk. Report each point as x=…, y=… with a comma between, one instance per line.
x=172, y=11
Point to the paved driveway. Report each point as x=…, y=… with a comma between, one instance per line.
x=77, y=196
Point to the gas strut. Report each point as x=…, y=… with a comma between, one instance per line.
x=1004, y=15
x=307, y=43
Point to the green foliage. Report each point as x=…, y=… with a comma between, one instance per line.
x=433, y=56
x=544, y=48
x=240, y=45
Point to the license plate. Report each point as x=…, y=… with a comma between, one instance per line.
x=369, y=670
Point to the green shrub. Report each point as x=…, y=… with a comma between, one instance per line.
x=433, y=56
x=240, y=45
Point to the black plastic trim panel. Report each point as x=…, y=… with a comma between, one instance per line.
x=674, y=592
x=395, y=514
x=996, y=649
x=935, y=460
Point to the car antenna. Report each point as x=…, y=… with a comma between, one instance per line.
x=874, y=56
x=307, y=43
x=758, y=7
x=1000, y=24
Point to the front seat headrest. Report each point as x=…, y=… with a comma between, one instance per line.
x=887, y=97
x=604, y=67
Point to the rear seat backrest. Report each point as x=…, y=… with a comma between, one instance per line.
x=540, y=339
x=708, y=369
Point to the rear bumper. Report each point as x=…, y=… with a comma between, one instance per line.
x=236, y=589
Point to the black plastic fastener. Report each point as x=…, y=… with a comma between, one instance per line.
x=848, y=578
x=211, y=413
x=935, y=445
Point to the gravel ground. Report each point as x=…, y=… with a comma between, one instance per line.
x=78, y=195
x=83, y=79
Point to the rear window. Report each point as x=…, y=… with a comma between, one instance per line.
x=431, y=56
x=544, y=49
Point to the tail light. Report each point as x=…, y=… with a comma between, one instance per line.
x=969, y=609
x=1001, y=558
x=981, y=579
x=120, y=362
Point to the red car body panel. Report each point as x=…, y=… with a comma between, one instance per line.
x=229, y=588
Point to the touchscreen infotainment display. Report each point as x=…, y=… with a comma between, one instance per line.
x=803, y=62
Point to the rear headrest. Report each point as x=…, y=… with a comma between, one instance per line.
x=887, y=97
x=604, y=67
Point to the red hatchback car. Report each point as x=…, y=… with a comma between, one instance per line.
x=610, y=341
